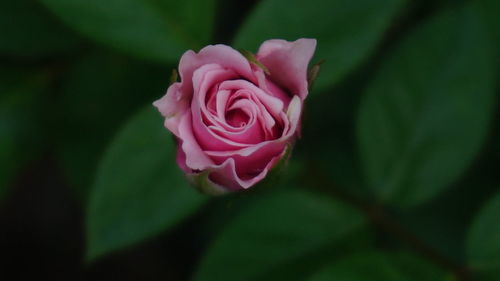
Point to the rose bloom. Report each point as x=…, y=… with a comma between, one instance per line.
x=236, y=118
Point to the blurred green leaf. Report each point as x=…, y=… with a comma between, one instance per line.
x=489, y=10
x=334, y=155
x=483, y=239
x=155, y=29
x=139, y=190
x=379, y=266
x=279, y=229
x=442, y=222
x=99, y=93
x=347, y=31
x=29, y=30
x=21, y=137
x=425, y=116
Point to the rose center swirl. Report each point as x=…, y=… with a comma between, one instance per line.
x=237, y=109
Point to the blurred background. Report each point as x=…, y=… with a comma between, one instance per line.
x=396, y=176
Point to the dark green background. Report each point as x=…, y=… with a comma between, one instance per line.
x=396, y=176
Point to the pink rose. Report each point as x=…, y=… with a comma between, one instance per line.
x=234, y=118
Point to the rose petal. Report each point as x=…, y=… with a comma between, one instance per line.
x=293, y=113
x=196, y=158
x=248, y=166
x=269, y=106
x=226, y=175
x=270, y=87
x=287, y=63
x=251, y=133
x=222, y=55
x=273, y=104
x=205, y=77
x=181, y=159
x=172, y=106
x=221, y=104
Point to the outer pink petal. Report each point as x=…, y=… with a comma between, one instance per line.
x=287, y=63
x=226, y=175
x=195, y=157
x=181, y=159
x=222, y=55
x=172, y=106
x=249, y=166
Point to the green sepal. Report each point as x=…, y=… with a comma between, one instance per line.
x=201, y=182
x=252, y=59
x=314, y=73
x=173, y=76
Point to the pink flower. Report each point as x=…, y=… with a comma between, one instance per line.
x=234, y=118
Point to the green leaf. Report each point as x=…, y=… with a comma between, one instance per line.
x=442, y=222
x=342, y=42
x=21, y=137
x=489, y=11
x=274, y=231
x=379, y=266
x=139, y=190
x=98, y=94
x=425, y=116
x=483, y=238
x=29, y=30
x=153, y=29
